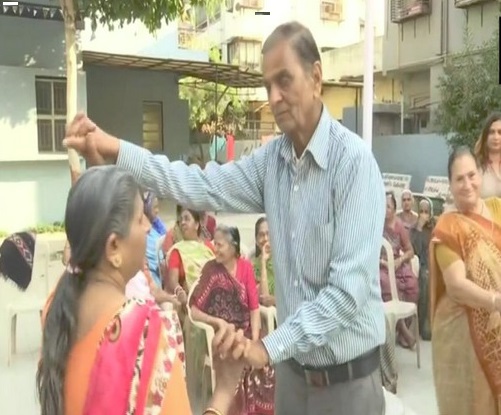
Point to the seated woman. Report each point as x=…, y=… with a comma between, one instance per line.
x=407, y=283
x=175, y=235
x=263, y=266
x=420, y=236
x=187, y=257
x=96, y=343
x=157, y=230
x=407, y=215
x=208, y=225
x=227, y=293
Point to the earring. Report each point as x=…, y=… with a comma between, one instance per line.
x=117, y=262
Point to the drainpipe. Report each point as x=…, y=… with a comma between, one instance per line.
x=402, y=106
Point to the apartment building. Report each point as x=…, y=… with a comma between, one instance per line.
x=239, y=32
x=419, y=35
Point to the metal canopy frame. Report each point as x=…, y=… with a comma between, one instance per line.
x=229, y=75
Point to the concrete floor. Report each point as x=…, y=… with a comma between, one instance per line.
x=17, y=382
x=18, y=396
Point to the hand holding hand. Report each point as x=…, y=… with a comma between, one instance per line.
x=161, y=296
x=92, y=143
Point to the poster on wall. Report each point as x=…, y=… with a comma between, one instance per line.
x=438, y=186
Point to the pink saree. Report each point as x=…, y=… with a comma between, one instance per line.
x=133, y=369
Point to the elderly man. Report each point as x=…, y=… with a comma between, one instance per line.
x=323, y=195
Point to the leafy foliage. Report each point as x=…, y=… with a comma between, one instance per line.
x=152, y=13
x=213, y=106
x=469, y=92
x=56, y=227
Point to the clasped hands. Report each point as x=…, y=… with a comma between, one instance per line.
x=231, y=344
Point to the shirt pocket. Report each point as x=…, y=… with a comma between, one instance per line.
x=318, y=253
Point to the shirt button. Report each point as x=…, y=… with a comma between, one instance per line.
x=296, y=188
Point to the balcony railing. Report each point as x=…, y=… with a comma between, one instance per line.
x=463, y=4
x=402, y=10
x=331, y=10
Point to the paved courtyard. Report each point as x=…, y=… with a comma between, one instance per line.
x=17, y=382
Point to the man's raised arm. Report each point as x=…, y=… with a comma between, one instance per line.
x=231, y=187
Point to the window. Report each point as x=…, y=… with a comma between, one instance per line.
x=245, y=53
x=153, y=134
x=331, y=10
x=51, y=114
x=403, y=10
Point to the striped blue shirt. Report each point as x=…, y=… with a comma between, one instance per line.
x=325, y=212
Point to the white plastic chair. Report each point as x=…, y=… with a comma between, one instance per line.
x=18, y=302
x=209, y=336
x=415, y=265
x=395, y=309
x=269, y=316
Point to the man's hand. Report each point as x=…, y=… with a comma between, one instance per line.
x=90, y=141
x=256, y=355
x=161, y=296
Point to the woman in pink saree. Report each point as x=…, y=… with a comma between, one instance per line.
x=227, y=293
x=104, y=354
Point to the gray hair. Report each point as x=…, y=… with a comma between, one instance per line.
x=300, y=39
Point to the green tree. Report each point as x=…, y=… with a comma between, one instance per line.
x=213, y=106
x=111, y=13
x=469, y=91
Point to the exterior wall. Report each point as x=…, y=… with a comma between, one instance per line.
x=33, y=193
x=135, y=39
x=338, y=98
x=349, y=61
x=36, y=185
x=327, y=34
x=425, y=40
x=38, y=50
x=29, y=48
x=115, y=98
x=420, y=155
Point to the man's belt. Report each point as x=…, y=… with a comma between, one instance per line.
x=357, y=368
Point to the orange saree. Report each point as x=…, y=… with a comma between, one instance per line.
x=130, y=362
x=466, y=342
